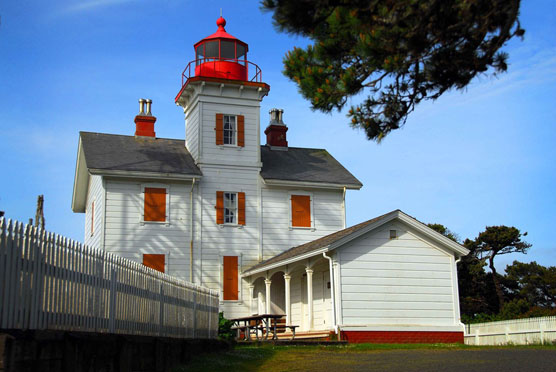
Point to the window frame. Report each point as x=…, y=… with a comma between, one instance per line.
x=234, y=130
x=311, y=212
x=239, y=279
x=142, y=206
x=235, y=221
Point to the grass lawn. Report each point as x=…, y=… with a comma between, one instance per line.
x=270, y=358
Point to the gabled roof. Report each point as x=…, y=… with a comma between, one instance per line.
x=144, y=154
x=129, y=156
x=339, y=238
x=305, y=165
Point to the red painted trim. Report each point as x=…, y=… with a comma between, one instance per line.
x=402, y=337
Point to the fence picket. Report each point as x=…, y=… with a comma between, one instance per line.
x=50, y=282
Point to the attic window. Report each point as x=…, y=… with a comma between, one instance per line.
x=393, y=234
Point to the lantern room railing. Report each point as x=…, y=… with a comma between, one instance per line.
x=196, y=67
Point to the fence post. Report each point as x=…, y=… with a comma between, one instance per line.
x=161, y=315
x=507, y=334
x=195, y=312
x=477, y=339
x=541, y=328
x=112, y=315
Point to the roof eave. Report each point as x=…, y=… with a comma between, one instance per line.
x=142, y=174
x=80, y=181
x=285, y=262
x=315, y=185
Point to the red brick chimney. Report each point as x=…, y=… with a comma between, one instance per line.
x=144, y=121
x=276, y=130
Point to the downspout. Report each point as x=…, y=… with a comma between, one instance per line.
x=191, y=232
x=344, y=206
x=332, y=292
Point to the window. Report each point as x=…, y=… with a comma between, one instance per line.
x=211, y=49
x=301, y=211
x=393, y=234
x=230, y=130
x=230, y=208
x=155, y=204
x=155, y=261
x=230, y=276
x=227, y=49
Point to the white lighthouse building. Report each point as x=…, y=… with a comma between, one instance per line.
x=263, y=224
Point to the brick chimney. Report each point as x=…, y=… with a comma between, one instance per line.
x=276, y=131
x=144, y=121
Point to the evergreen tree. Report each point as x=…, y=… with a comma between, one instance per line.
x=496, y=241
x=398, y=52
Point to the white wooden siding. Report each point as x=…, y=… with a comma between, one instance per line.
x=192, y=132
x=96, y=194
x=403, y=281
x=278, y=236
x=127, y=236
x=247, y=155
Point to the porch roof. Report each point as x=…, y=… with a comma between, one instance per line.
x=339, y=238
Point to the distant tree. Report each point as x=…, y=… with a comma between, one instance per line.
x=444, y=231
x=496, y=241
x=476, y=291
x=532, y=282
x=398, y=52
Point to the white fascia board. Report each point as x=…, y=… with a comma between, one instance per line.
x=427, y=231
x=420, y=227
x=80, y=181
x=148, y=175
x=346, y=239
x=304, y=184
x=284, y=262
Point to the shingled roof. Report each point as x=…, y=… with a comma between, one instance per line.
x=128, y=153
x=305, y=165
x=315, y=245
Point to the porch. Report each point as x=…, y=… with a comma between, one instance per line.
x=302, y=290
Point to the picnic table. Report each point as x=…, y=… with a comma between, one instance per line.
x=254, y=323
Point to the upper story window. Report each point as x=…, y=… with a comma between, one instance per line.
x=230, y=130
x=301, y=210
x=155, y=204
x=230, y=208
x=155, y=261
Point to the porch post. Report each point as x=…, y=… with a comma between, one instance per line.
x=267, y=282
x=287, y=278
x=310, y=295
x=251, y=293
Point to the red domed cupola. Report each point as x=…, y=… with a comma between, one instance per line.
x=221, y=55
x=221, y=58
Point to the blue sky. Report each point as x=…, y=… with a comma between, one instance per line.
x=484, y=156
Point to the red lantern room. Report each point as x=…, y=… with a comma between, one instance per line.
x=221, y=55
x=221, y=58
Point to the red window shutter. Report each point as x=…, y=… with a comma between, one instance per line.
x=241, y=208
x=301, y=210
x=230, y=278
x=241, y=130
x=154, y=261
x=219, y=129
x=93, y=217
x=220, y=207
x=155, y=204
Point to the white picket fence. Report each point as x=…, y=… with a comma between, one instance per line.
x=48, y=282
x=517, y=331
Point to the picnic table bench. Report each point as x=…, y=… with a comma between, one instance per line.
x=265, y=323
